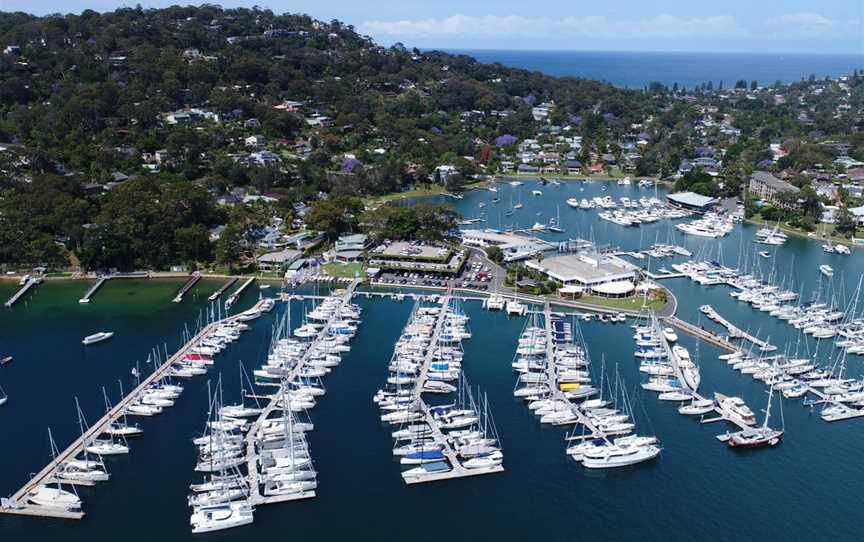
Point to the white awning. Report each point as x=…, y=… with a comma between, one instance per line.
x=614, y=288
x=571, y=289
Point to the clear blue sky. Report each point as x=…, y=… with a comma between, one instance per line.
x=827, y=26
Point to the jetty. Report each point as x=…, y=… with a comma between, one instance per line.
x=438, y=436
x=254, y=435
x=29, y=284
x=102, y=279
x=235, y=295
x=699, y=333
x=734, y=331
x=554, y=387
x=193, y=280
x=17, y=504
x=222, y=289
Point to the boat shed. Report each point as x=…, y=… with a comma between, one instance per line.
x=691, y=200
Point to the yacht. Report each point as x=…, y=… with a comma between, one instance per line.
x=97, y=337
x=573, y=202
x=619, y=456
x=736, y=408
x=670, y=334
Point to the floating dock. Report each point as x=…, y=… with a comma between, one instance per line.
x=222, y=289
x=17, y=504
x=193, y=280
x=699, y=333
x=252, y=436
x=239, y=291
x=27, y=286
x=734, y=331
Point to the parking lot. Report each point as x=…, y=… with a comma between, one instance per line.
x=474, y=275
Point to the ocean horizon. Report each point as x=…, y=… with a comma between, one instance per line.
x=632, y=69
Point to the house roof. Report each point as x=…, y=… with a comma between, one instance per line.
x=691, y=199
x=280, y=256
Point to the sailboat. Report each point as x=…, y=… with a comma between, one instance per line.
x=100, y=446
x=758, y=436
x=519, y=202
x=556, y=225
x=55, y=497
x=121, y=427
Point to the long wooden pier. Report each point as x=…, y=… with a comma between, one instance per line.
x=193, y=280
x=17, y=503
x=28, y=284
x=252, y=436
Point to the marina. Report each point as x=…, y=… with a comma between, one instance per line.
x=19, y=504
x=347, y=425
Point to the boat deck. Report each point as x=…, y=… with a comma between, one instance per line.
x=17, y=503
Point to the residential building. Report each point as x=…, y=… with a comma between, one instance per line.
x=767, y=186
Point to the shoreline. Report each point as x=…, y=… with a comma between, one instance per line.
x=810, y=236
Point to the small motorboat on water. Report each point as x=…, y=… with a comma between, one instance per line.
x=826, y=270
x=764, y=253
x=97, y=337
x=670, y=334
x=5, y=360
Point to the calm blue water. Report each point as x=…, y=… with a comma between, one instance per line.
x=699, y=489
x=638, y=69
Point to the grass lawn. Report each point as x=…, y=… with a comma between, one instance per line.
x=629, y=303
x=347, y=270
x=423, y=190
x=826, y=229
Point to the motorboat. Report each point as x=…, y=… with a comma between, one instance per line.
x=97, y=337
x=696, y=407
x=826, y=270
x=670, y=335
